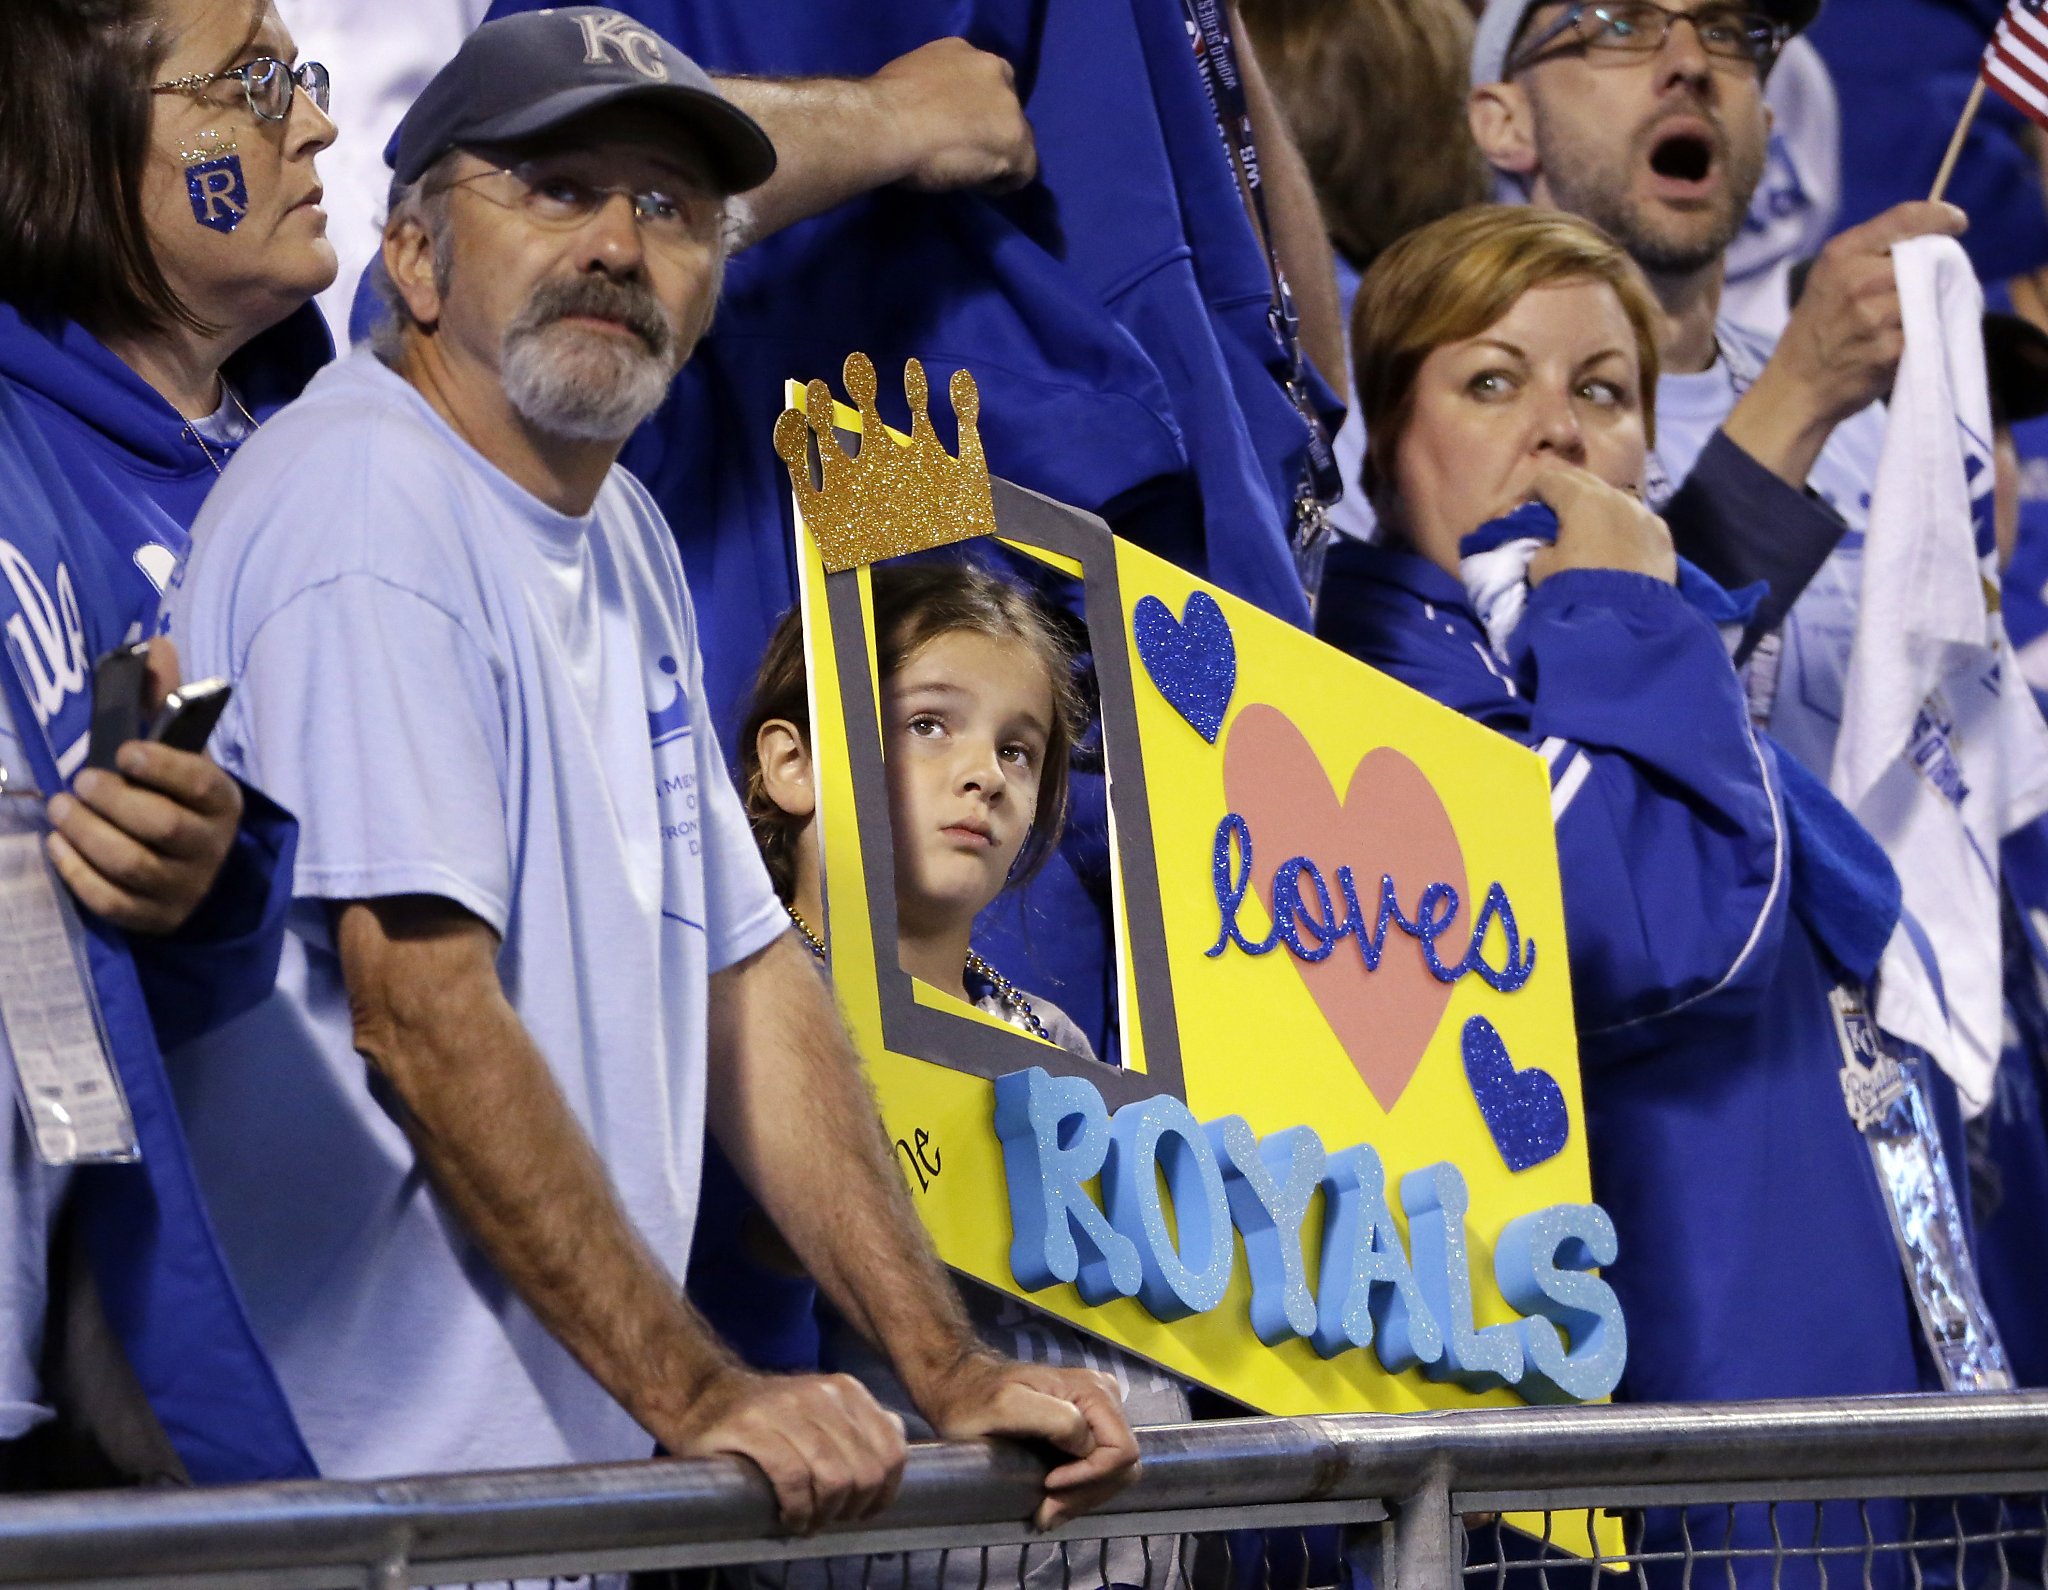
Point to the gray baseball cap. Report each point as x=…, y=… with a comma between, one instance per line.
x=1494, y=40
x=522, y=75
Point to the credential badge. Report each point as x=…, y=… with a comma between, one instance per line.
x=1871, y=1080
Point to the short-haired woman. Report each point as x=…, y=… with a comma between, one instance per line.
x=1719, y=903
x=163, y=240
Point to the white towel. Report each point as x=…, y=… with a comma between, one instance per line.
x=1942, y=751
x=1497, y=585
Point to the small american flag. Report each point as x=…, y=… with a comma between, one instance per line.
x=2016, y=63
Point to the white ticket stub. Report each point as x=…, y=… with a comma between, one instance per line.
x=69, y=1093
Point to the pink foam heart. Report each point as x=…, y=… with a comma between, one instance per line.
x=1390, y=822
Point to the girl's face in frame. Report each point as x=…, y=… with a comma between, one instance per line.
x=965, y=720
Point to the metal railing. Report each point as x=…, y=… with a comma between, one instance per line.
x=1411, y=1501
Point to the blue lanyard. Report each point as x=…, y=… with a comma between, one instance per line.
x=1322, y=482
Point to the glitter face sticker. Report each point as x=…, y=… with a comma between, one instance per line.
x=209, y=145
x=220, y=198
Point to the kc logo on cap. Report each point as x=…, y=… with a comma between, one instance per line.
x=608, y=31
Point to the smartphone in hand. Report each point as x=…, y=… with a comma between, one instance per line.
x=120, y=682
x=189, y=713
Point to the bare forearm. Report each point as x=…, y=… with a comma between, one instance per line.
x=941, y=118
x=509, y=1159
x=792, y=1108
x=1299, y=236
x=834, y=139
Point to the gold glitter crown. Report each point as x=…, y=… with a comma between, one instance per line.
x=887, y=499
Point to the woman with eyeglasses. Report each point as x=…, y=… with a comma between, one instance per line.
x=160, y=240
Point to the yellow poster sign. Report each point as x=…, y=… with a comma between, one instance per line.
x=1340, y=1164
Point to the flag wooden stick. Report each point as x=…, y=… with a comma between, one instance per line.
x=1955, y=143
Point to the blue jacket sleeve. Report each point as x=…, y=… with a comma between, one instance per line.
x=224, y=959
x=1741, y=524
x=1671, y=838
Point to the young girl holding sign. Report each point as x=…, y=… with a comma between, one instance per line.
x=979, y=716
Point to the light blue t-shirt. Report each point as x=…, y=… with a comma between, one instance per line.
x=463, y=693
x=1800, y=678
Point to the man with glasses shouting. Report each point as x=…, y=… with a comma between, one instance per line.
x=1649, y=120
x=526, y=895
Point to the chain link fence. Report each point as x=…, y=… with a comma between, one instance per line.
x=1896, y=1493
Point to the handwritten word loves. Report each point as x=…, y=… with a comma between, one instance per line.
x=1307, y=920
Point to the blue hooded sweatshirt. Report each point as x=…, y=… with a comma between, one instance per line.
x=1707, y=924
x=100, y=481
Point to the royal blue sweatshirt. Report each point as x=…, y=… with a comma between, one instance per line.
x=1756, y=1254
x=101, y=480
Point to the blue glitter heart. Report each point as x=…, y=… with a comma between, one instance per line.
x=1524, y=1109
x=1192, y=659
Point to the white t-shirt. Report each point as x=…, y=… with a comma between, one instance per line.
x=463, y=693
x=1810, y=665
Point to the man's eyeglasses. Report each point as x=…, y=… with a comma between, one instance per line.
x=558, y=201
x=266, y=81
x=1640, y=27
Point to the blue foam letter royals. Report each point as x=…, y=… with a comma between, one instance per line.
x=1270, y=1184
x=1479, y=1359
x=1537, y=1262
x=1162, y=1135
x=1367, y=1293
x=1055, y=1135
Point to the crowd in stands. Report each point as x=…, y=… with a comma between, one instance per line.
x=467, y=986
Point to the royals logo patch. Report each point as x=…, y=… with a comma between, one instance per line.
x=220, y=198
x=1872, y=1081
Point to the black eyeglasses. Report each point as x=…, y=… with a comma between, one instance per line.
x=1640, y=27
x=266, y=81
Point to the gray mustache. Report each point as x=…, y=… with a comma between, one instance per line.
x=628, y=303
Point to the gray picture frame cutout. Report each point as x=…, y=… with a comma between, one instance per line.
x=1030, y=523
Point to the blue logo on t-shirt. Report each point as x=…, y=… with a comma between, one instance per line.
x=672, y=721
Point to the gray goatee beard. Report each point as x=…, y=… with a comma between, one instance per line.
x=581, y=384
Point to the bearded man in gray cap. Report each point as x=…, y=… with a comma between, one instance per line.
x=1649, y=120
x=464, y=654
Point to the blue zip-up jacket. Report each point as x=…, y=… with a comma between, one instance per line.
x=1751, y=1221
x=1756, y=1255
x=100, y=482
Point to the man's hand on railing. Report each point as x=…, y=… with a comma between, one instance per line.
x=832, y=1453
x=1075, y=1410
